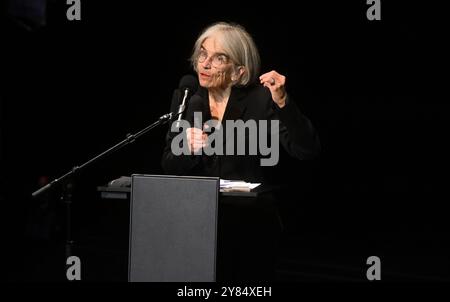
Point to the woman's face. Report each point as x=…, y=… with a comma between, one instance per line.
x=214, y=67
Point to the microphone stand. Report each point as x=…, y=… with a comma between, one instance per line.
x=67, y=179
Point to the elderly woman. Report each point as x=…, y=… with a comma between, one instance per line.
x=227, y=63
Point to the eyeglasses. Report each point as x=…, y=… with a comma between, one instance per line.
x=217, y=60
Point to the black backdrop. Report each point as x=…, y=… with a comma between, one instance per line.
x=72, y=89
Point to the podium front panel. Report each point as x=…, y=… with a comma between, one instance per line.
x=173, y=228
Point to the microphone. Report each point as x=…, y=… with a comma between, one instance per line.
x=196, y=105
x=195, y=113
x=188, y=85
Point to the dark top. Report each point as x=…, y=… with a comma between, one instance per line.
x=296, y=135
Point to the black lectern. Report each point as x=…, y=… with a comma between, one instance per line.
x=173, y=228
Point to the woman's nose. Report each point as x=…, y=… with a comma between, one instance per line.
x=206, y=64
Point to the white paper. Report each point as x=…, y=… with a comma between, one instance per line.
x=236, y=185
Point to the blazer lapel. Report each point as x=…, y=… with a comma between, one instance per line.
x=235, y=110
x=236, y=105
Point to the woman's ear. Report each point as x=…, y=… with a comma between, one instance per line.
x=241, y=70
x=237, y=74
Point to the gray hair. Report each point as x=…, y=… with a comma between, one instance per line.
x=238, y=46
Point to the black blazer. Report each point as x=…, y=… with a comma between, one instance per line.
x=296, y=133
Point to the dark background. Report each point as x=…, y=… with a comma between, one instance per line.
x=373, y=89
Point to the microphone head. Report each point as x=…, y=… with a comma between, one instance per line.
x=189, y=82
x=195, y=105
